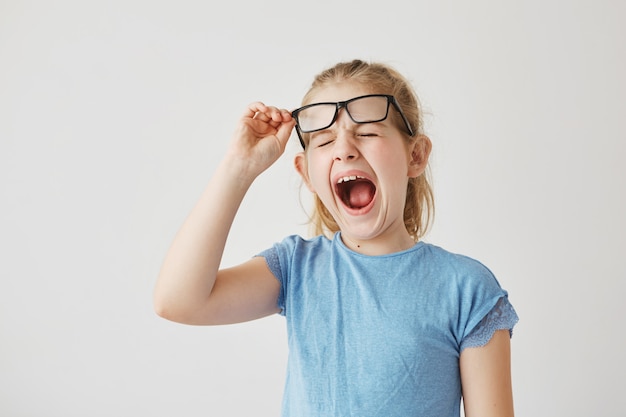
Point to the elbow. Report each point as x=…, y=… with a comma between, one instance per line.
x=166, y=302
x=166, y=307
x=170, y=312
x=162, y=307
x=179, y=312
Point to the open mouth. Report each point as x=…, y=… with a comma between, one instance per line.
x=355, y=191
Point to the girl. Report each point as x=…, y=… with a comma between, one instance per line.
x=379, y=322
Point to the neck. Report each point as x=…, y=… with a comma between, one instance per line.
x=378, y=246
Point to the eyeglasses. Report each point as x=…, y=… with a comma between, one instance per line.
x=371, y=108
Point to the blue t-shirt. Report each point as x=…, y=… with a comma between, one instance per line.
x=380, y=335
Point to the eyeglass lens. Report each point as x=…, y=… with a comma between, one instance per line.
x=362, y=110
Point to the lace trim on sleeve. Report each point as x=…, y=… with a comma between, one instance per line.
x=273, y=263
x=502, y=316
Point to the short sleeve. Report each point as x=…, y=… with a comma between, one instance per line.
x=273, y=263
x=501, y=317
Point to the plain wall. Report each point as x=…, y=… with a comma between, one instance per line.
x=113, y=115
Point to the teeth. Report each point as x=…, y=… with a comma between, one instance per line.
x=349, y=178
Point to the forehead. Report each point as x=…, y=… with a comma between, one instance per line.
x=339, y=92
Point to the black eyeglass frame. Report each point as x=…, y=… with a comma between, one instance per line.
x=344, y=104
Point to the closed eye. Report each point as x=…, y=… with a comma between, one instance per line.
x=323, y=143
x=322, y=139
x=370, y=129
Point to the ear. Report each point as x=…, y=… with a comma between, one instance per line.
x=300, y=164
x=419, y=154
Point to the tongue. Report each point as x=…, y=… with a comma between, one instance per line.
x=361, y=194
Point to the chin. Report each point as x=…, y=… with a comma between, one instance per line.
x=362, y=232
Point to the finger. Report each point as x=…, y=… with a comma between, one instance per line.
x=275, y=114
x=267, y=114
x=283, y=132
x=264, y=117
x=254, y=108
x=286, y=115
x=271, y=112
x=279, y=116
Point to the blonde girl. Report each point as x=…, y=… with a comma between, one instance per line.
x=380, y=323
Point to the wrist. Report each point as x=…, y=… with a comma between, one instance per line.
x=237, y=171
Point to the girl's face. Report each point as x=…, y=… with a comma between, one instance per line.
x=360, y=173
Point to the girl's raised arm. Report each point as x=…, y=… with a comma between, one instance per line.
x=190, y=288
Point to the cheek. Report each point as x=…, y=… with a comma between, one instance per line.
x=395, y=163
x=319, y=185
x=394, y=171
x=318, y=176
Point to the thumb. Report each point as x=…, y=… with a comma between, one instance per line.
x=284, y=132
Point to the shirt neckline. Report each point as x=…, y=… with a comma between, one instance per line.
x=339, y=242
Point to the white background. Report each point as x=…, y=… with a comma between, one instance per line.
x=113, y=114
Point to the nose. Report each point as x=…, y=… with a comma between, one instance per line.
x=344, y=148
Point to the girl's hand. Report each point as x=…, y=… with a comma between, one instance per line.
x=260, y=138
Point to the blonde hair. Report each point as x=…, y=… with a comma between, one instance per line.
x=382, y=79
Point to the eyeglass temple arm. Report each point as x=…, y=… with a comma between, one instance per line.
x=406, y=121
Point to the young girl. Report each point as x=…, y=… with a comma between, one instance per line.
x=379, y=322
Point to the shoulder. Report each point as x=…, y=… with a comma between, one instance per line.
x=296, y=244
x=294, y=250
x=464, y=275
x=472, y=287
x=454, y=263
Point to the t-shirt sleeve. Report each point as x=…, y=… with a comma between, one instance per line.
x=484, y=304
x=501, y=317
x=280, y=259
